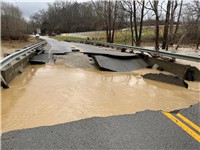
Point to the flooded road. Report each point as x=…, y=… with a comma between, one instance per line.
x=53, y=94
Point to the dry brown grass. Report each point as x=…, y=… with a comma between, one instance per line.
x=12, y=46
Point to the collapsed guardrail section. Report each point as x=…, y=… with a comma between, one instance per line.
x=14, y=63
x=150, y=51
x=166, y=63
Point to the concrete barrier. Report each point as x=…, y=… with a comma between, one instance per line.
x=10, y=71
x=185, y=72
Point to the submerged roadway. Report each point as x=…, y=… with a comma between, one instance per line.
x=178, y=129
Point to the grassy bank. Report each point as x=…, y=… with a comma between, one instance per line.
x=121, y=36
x=67, y=38
x=10, y=46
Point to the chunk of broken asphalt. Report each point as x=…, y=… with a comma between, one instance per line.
x=119, y=65
x=171, y=79
x=41, y=59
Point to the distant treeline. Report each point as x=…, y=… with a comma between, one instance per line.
x=109, y=15
x=13, y=25
x=180, y=20
x=69, y=17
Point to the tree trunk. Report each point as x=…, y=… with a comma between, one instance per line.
x=173, y=8
x=165, y=34
x=114, y=21
x=132, y=32
x=131, y=26
x=197, y=46
x=157, y=34
x=107, y=34
x=179, y=42
x=135, y=22
x=156, y=26
x=141, y=23
x=109, y=23
x=178, y=22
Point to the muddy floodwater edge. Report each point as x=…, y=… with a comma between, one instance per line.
x=54, y=94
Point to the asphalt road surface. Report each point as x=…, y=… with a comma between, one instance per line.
x=54, y=45
x=144, y=130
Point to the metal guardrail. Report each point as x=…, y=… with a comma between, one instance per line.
x=150, y=51
x=8, y=59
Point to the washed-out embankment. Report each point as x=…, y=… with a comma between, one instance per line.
x=72, y=88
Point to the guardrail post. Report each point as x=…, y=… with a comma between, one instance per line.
x=3, y=83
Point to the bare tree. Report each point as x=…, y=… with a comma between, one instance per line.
x=127, y=6
x=165, y=33
x=177, y=23
x=155, y=8
x=174, y=5
x=191, y=21
x=65, y=16
x=141, y=23
x=169, y=34
x=107, y=13
x=13, y=25
x=133, y=9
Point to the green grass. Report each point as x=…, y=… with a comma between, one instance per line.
x=124, y=37
x=121, y=37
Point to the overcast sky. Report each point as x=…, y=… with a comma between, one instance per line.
x=29, y=7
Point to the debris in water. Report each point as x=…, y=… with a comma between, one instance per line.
x=171, y=79
x=41, y=59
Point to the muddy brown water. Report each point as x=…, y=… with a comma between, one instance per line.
x=52, y=94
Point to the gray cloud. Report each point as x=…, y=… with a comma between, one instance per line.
x=29, y=7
